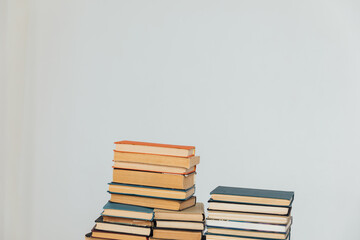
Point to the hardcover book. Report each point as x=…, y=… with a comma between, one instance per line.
x=194, y=214
x=113, y=209
x=153, y=179
x=147, y=191
x=153, y=202
x=155, y=148
x=171, y=161
x=121, y=228
x=249, y=195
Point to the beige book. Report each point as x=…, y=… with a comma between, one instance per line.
x=153, y=202
x=180, y=225
x=195, y=214
x=163, y=180
x=128, y=221
x=238, y=207
x=103, y=235
x=249, y=217
x=111, y=227
x=176, y=234
x=153, y=168
x=155, y=148
x=245, y=233
x=217, y=237
x=151, y=191
x=171, y=161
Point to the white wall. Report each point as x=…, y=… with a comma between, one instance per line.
x=268, y=92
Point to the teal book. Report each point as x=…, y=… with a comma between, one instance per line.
x=255, y=196
x=128, y=211
x=153, y=192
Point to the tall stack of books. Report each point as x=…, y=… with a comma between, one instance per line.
x=150, y=179
x=244, y=213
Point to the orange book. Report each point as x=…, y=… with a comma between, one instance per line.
x=155, y=148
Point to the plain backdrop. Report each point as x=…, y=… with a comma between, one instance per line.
x=267, y=91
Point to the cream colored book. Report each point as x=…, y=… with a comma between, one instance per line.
x=194, y=214
x=249, y=217
x=113, y=227
x=155, y=148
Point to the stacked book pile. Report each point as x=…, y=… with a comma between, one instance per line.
x=151, y=180
x=244, y=213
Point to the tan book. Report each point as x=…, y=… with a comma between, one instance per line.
x=195, y=214
x=248, y=217
x=127, y=221
x=180, y=225
x=181, y=162
x=238, y=207
x=103, y=235
x=245, y=233
x=121, y=228
x=153, y=168
x=164, y=180
x=155, y=148
x=176, y=234
x=179, y=194
x=153, y=202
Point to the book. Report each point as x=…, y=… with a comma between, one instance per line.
x=153, y=202
x=154, y=168
x=194, y=214
x=247, y=217
x=282, y=228
x=96, y=234
x=180, y=225
x=176, y=234
x=246, y=207
x=153, y=179
x=155, y=148
x=113, y=209
x=249, y=195
x=210, y=236
x=121, y=228
x=180, y=162
x=146, y=191
x=247, y=233
x=127, y=221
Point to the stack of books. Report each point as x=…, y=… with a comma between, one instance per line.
x=187, y=224
x=151, y=179
x=248, y=214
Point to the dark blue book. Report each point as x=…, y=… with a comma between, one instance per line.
x=250, y=195
x=128, y=211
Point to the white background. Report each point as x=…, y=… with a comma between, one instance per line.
x=267, y=91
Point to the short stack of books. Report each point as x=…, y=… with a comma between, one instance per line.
x=148, y=176
x=249, y=214
x=187, y=224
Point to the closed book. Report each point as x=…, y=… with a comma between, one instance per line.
x=171, y=161
x=147, y=191
x=194, y=214
x=210, y=236
x=127, y=221
x=113, y=209
x=250, y=208
x=153, y=168
x=249, y=195
x=155, y=148
x=121, y=228
x=96, y=235
x=153, y=179
x=248, y=217
x=281, y=228
x=153, y=202
x=247, y=233
x=176, y=234
x=180, y=225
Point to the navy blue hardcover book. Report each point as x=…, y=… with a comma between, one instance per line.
x=128, y=211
